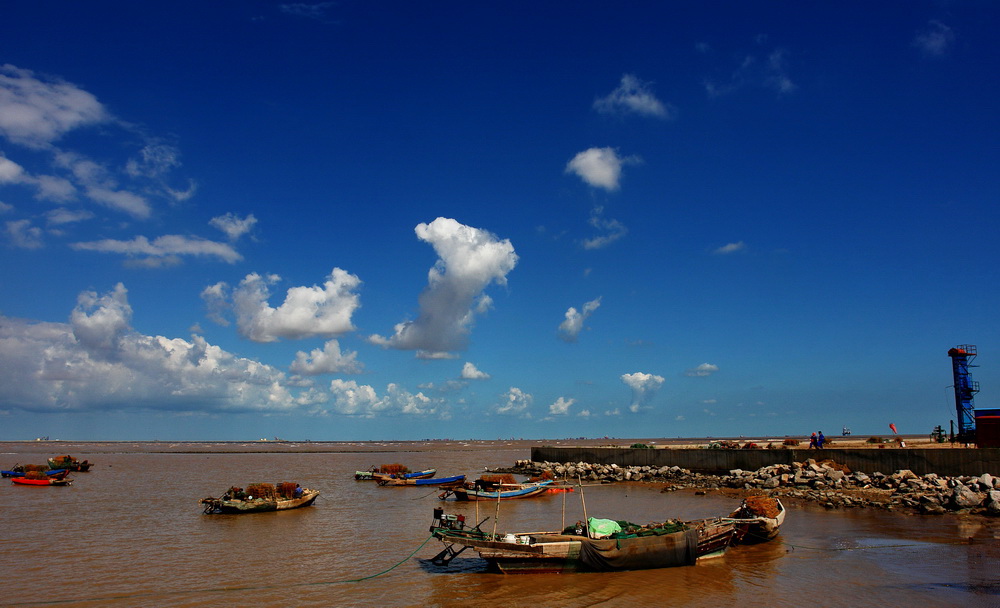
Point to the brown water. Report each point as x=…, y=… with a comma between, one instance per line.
x=131, y=533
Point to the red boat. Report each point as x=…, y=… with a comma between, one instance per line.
x=25, y=481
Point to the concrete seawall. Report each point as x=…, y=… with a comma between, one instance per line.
x=952, y=462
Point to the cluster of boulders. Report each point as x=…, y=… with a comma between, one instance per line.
x=826, y=482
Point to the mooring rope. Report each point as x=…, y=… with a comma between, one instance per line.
x=221, y=589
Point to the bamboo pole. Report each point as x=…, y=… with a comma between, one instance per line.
x=583, y=499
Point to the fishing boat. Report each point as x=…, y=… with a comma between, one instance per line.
x=598, y=545
x=388, y=470
x=426, y=474
x=488, y=491
x=68, y=462
x=259, y=498
x=433, y=481
x=48, y=481
x=55, y=473
x=758, y=519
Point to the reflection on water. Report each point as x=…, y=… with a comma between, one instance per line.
x=131, y=533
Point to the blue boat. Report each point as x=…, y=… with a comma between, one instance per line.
x=438, y=481
x=50, y=473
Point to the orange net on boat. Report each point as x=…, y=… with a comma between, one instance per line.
x=262, y=490
x=393, y=469
x=35, y=467
x=35, y=475
x=504, y=478
x=762, y=506
x=287, y=489
x=545, y=476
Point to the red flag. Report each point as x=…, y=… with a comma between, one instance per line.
x=893, y=427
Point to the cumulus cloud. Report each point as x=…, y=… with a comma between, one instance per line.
x=97, y=361
x=162, y=249
x=22, y=235
x=328, y=360
x=705, y=369
x=469, y=261
x=570, y=328
x=351, y=399
x=36, y=110
x=633, y=96
x=515, y=402
x=561, y=406
x=323, y=311
x=611, y=230
x=644, y=387
x=470, y=372
x=600, y=167
x=233, y=225
x=730, y=248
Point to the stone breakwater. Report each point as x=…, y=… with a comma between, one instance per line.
x=826, y=482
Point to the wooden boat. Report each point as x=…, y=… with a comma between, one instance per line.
x=238, y=501
x=425, y=474
x=434, y=481
x=672, y=543
x=388, y=470
x=68, y=462
x=479, y=491
x=48, y=481
x=55, y=473
x=758, y=519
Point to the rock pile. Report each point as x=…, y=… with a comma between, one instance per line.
x=826, y=482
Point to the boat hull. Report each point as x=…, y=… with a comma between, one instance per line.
x=238, y=507
x=472, y=494
x=439, y=481
x=557, y=553
x=24, y=481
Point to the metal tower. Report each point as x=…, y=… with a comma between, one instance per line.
x=965, y=388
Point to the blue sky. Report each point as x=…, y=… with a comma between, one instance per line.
x=403, y=220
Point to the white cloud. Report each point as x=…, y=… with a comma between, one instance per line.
x=233, y=225
x=23, y=235
x=99, y=362
x=469, y=261
x=164, y=247
x=613, y=230
x=705, y=369
x=36, y=111
x=61, y=216
x=561, y=406
x=730, y=248
x=217, y=305
x=633, y=96
x=600, y=167
x=351, y=399
x=643, y=386
x=570, y=328
x=515, y=402
x=154, y=160
x=10, y=172
x=306, y=312
x=470, y=372
x=329, y=360
x=936, y=40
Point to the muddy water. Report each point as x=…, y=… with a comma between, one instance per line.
x=131, y=533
